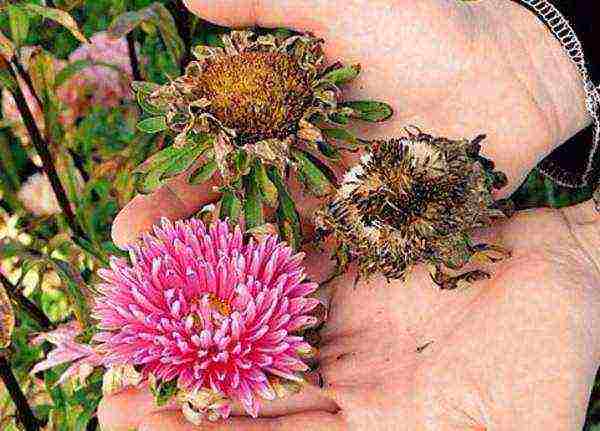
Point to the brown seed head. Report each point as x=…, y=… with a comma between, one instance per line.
x=261, y=95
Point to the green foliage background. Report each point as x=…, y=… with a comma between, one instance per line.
x=104, y=148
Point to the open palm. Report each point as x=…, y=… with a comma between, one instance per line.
x=519, y=351
x=515, y=351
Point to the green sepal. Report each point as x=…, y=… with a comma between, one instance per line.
x=231, y=207
x=203, y=173
x=329, y=151
x=153, y=124
x=288, y=218
x=144, y=87
x=268, y=190
x=366, y=110
x=142, y=90
x=253, y=203
x=342, y=135
x=242, y=163
x=342, y=75
x=339, y=118
x=311, y=174
x=168, y=163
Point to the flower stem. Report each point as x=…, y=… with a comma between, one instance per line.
x=24, y=412
x=25, y=76
x=135, y=65
x=182, y=21
x=26, y=305
x=42, y=149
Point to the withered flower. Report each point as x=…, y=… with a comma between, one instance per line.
x=252, y=109
x=415, y=200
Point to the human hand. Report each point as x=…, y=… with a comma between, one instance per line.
x=519, y=351
x=453, y=68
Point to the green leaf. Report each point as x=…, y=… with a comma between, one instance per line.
x=68, y=4
x=7, y=47
x=231, y=207
x=268, y=190
x=168, y=163
x=144, y=87
x=203, y=173
x=253, y=204
x=150, y=108
x=343, y=75
x=6, y=79
x=156, y=14
x=153, y=124
x=76, y=290
x=311, y=174
x=19, y=24
x=43, y=76
x=288, y=218
x=373, y=112
x=60, y=16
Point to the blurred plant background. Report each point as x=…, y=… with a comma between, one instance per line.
x=68, y=124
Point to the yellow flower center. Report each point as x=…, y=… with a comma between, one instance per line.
x=261, y=95
x=218, y=304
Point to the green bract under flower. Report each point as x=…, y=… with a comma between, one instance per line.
x=251, y=110
x=415, y=200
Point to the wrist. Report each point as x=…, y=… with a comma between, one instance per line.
x=551, y=76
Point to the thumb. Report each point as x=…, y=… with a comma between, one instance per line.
x=175, y=200
x=309, y=421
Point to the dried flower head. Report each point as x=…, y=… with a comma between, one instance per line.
x=206, y=314
x=415, y=200
x=259, y=102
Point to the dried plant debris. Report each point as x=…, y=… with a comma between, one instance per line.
x=415, y=200
x=251, y=111
x=7, y=318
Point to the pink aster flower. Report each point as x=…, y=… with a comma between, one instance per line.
x=98, y=85
x=83, y=358
x=207, y=308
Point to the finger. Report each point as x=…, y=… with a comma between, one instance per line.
x=177, y=199
x=297, y=14
x=125, y=410
x=309, y=421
